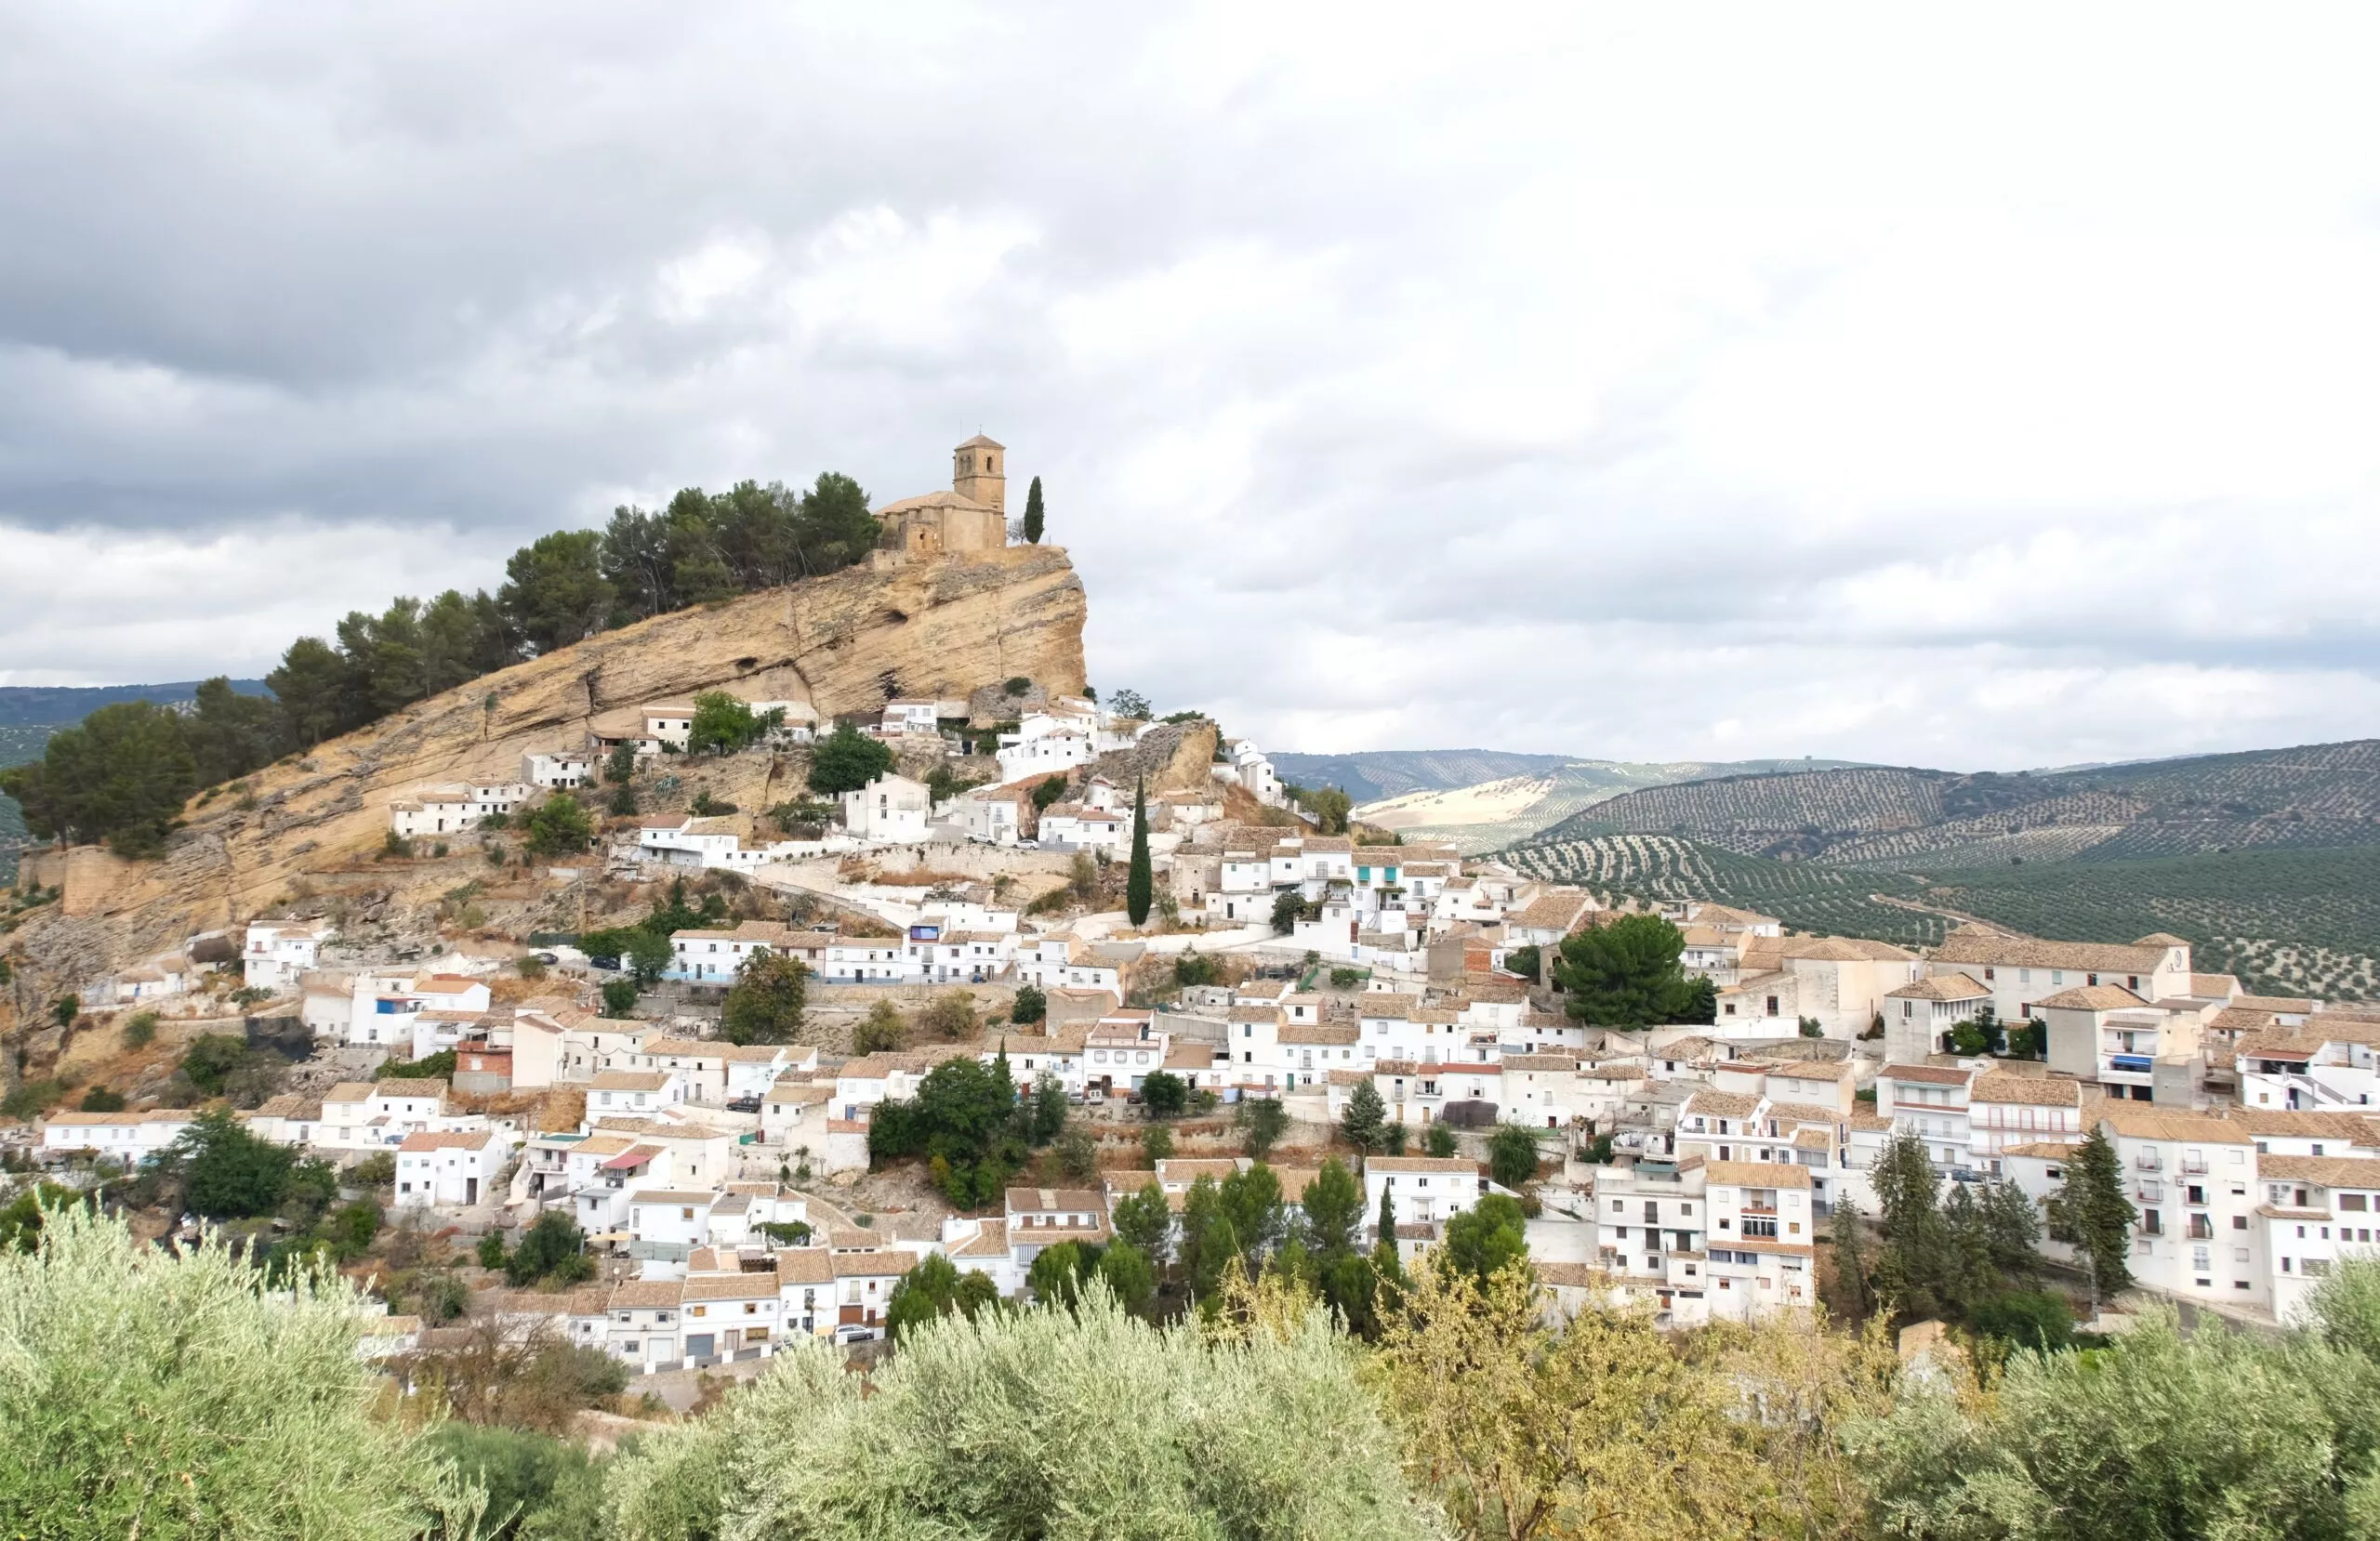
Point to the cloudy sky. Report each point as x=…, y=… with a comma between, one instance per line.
x=1629, y=381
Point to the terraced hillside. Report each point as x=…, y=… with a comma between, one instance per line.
x=2287, y=922
x=2317, y=796
x=1373, y=775
x=1479, y=816
x=2306, y=921
x=1807, y=896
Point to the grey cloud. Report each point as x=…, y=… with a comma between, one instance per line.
x=1529, y=380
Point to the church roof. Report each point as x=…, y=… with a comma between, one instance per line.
x=934, y=500
x=979, y=442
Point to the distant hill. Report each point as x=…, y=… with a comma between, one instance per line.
x=1376, y=774
x=1440, y=794
x=53, y=706
x=29, y=714
x=1927, y=820
x=2286, y=921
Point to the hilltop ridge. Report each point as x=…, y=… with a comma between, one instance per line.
x=846, y=642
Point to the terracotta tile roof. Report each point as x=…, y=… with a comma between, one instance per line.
x=647, y=1294
x=1049, y=1200
x=1720, y=1104
x=804, y=1265
x=989, y=1240
x=1940, y=987
x=2323, y=1171
x=732, y=1287
x=426, y=1086
x=2306, y=1124
x=1970, y=947
x=1932, y=1075
x=1755, y=1174
x=2093, y=998
x=2046, y=1091
x=2137, y=1122
x=1428, y=1166
x=475, y=1139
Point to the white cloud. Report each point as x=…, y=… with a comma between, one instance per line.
x=1868, y=382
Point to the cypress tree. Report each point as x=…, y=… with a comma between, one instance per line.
x=1140, y=885
x=1033, y=513
x=1851, y=1262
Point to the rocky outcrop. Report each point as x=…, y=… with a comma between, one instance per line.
x=846, y=642
x=1171, y=757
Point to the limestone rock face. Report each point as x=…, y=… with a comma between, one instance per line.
x=846, y=643
x=1171, y=757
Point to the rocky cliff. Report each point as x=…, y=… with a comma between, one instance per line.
x=848, y=642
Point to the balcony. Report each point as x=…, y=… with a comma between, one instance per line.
x=2149, y=1161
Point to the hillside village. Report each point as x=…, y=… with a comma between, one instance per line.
x=674, y=1023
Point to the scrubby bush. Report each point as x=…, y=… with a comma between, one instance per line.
x=1009, y=1424
x=161, y=1394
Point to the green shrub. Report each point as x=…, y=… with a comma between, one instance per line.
x=1008, y=1425
x=163, y=1394
x=140, y=1029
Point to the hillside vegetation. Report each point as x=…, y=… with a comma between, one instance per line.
x=1479, y=814
x=1805, y=895
x=1922, y=820
x=2285, y=921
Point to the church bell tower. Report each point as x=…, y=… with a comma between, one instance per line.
x=978, y=472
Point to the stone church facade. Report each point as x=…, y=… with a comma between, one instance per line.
x=971, y=517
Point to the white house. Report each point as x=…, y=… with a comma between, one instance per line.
x=558, y=769
x=1919, y=1016
x=2316, y=1211
x=2021, y=972
x=273, y=955
x=1246, y=765
x=989, y=815
x=1427, y=1190
x=892, y=808
x=2193, y=1181
x=633, y=1093
x=1074, y=827
x=453, y=807
x=451, y=1168
x=668, y=1222
x=1759, y=1240
x=124, y=1137
x=386, y=1007
x=903, y=718
x=1932, y=1102
x=714, y=956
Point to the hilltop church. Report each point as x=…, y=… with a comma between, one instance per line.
x=971, y=517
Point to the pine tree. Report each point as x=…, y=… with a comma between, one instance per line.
x=1140, y=885
x=2092, y=1213
x=1365, y=1115
x=1033, y=513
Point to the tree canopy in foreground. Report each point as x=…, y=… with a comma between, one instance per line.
x=143, y=1393
x=1084, y=1422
